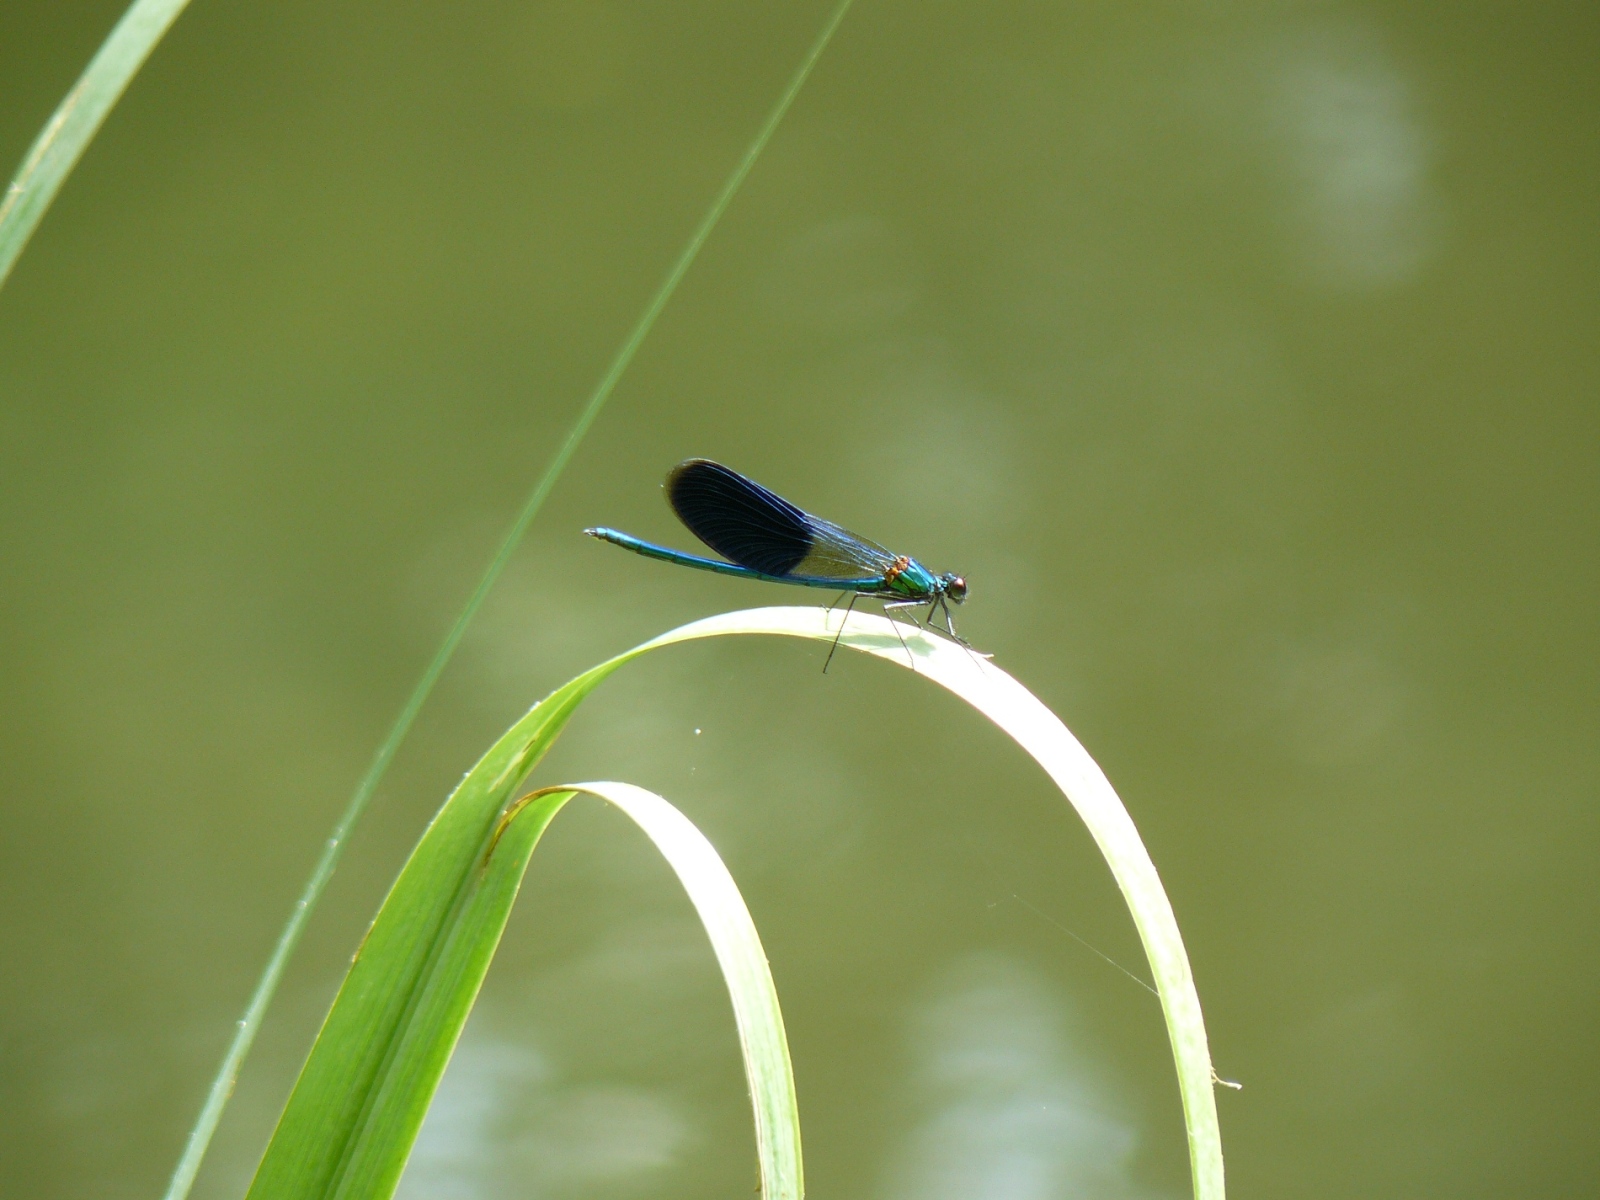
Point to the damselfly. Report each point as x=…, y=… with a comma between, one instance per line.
x=763, y=536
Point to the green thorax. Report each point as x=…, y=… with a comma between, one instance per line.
x=913, y=580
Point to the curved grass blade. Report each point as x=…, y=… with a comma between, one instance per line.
x=410, y=990
x=348, y=1081
x=77, y=119
x=1040, y=732
x=261, y=996
x=762, y=1042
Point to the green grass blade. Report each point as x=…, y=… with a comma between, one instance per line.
x=348, y=1087
x=72, y=126
x=222, y=1084
x=1040, y=732
x=744, y=967
x=348, y=1125
x=362, y=1091
x=361, y=1099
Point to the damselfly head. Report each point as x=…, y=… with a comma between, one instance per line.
x=954, y=586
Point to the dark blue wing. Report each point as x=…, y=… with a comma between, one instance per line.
x=756, y=528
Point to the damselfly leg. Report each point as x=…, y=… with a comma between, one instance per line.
x=850, y=608
x=890, y=607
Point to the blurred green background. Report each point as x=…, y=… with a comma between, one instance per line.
x=1243, y=355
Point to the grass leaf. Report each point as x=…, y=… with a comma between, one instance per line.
x=744, y=967
x=361, y=1097
x=77, y=119
x=380, y=1122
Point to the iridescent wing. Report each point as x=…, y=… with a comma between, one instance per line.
x=756, y=528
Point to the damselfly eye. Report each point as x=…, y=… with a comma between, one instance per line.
x=955, y=587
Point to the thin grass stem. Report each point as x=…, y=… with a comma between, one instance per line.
x=77, y=119
x=245, y=1032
